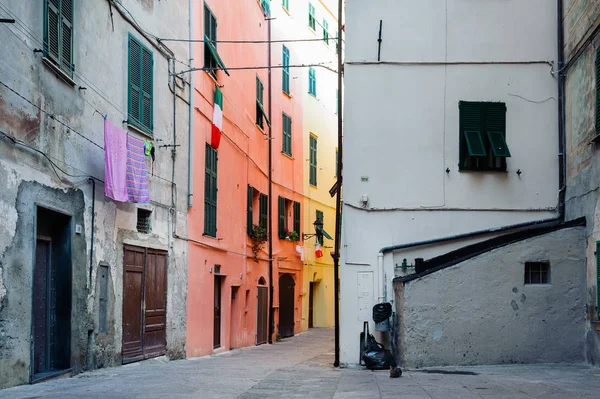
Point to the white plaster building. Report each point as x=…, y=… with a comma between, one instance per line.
x=418, y=161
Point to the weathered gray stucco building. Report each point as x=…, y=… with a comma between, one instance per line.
x=581, y=71
x=85, y=281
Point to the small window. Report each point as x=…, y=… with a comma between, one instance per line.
x=285, y=71
x=311, y=17
x=143, y=221
x=58, y=34
x=326, y=32
x=212, y=59
x=313, y=161
x=140, y=100
x=312, y=81
x=537, y=272
x=286, y=135
x=482, y=136
x=261, y=115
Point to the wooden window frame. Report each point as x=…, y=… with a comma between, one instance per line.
x=146, y=72
x=312, y=82
x=313, y=160
x=312, y=20
x=285, y=71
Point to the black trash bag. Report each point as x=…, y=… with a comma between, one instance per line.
x=374, y=355
x=381, y=312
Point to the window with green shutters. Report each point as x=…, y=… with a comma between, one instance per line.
x=212, y=59
x=285, y=4
x=313, y=161
x=312, y=22
x=249, y=211
x=319, y=215
x=597, y=94
x=58, y=34
x=210, y=192
x=482, y=136
x=140, y=100
x=285, y=75
x=263, y=201
x=312, y=81
x=286, y=135
x=261, y=115
x=297, y=218
x=326, y=32
x=281, y=217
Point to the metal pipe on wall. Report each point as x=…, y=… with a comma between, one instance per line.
x=270, y=216
x=191, y=113
x=338, y=199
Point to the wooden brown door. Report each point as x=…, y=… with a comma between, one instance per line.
x=217, y=314
x=262, y=310
x=286, y=305
x=144, y=303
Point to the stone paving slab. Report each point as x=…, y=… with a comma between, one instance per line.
x=300, y=367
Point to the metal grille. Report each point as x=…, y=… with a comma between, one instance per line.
x=143, y=221
x=537, y=273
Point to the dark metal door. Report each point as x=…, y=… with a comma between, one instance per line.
x=155, y=298
x=262, y=310
x=286, y=305
x=144, y=303
x=310, y=304
x=43, y=305
x=217, y=313
x=133, y=279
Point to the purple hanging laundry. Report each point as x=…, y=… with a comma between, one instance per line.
x=115, y=162
x=137, y=179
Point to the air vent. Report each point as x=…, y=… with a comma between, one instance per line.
x=143, y=221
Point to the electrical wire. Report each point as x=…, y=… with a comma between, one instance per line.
x=52, y=116
x=247, y=41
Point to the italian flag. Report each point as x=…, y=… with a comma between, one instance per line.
x=217, y=122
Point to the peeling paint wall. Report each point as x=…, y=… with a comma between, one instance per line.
x=481, y=312
x=582, y=18
x=98, y=87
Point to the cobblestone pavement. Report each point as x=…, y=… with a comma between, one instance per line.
x=300, y=367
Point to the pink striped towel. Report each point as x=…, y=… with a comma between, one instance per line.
x=137, y=179
x=115, y=162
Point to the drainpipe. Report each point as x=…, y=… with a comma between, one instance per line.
x=93, y=226
x=270, y=217
x=561, y=112
x=174, y=150
x=338, y=199
x=191, y=113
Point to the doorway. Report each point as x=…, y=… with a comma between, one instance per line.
x=311, y=295
x=144, y=303
x=52, y=288
x=262, y=310
x=286, y=305
x=217, y=314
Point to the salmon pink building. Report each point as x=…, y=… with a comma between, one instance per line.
x=242, y=289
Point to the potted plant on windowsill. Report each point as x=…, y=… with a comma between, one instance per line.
x=259, y=237
x=293, y=236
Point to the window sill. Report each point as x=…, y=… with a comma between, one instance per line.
x=312, y=95
x=596, y=325
x=287, y=155
x=262, y=130
x=286, y=10
x=482, y=171
x=312, y=186
x=288, y=95
x=58, y=72
x=206, y=235
x=140, y=131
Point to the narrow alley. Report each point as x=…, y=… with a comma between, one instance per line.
x=300, y=367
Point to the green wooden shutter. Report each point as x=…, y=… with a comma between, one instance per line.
x=326, y=32
x=471, y=132
x=494, y=116
x=281, y=216
x=249, y=210
x=285, y=70
x=285, y=4
x=66, y=36
x=135, y=76
x=210, y=192
x=319, y=215
x=311, y=16
x=264, y=209
x=147, y=89
x=259, y=103
x=297, y=217
x=313, y=161
x=286, y=139
x=598, y=91
x=52, y=31
x=312, y=81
